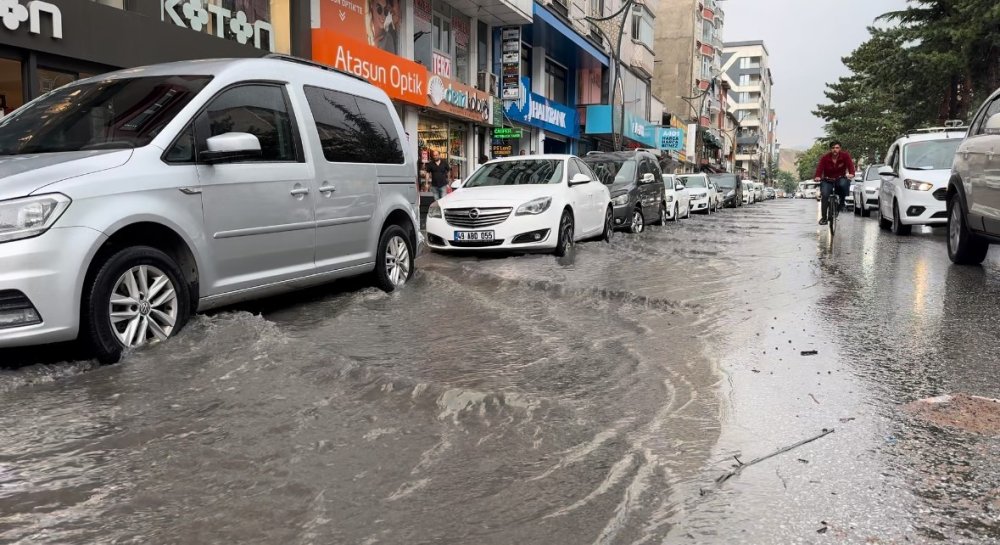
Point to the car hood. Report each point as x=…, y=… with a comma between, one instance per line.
x=22, y=175
x=618, y=188
x=508, y=195
x=937, y=177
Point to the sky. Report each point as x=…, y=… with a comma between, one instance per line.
x=806, y=40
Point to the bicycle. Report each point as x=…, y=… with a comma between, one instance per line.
x=832, y=206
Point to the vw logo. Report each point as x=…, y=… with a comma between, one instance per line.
x=474, y=213
x=144, y=307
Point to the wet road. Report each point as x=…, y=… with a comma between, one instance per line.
x=593, y=399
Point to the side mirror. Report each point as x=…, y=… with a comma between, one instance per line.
x=679, y=187
x=992, y=125
x=648, y=178
x=457, y=184
x=231, y=147
x=887, y=172
x=579, y=179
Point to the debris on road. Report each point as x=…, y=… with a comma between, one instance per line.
x=966, y=412
x=741, y=466
x=814, y=398
x=809, y=352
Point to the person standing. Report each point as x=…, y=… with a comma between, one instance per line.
x=439, y=171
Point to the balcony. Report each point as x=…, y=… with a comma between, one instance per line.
x=706, y=49
x=641, y=59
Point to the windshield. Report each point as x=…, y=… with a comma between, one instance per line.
x=109, y=114
x=694, y=181
x=522, y=172
x=930, y=155
x=872, y=173
x=611, y=171
x=724, y=181
x=806, y=187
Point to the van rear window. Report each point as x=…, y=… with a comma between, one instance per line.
x=354, y=129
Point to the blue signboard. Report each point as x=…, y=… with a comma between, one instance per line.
x=536, y=110
x=636, y=128
x=671, y=139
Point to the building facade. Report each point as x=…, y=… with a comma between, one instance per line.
x=687, y=79
x=746, y=68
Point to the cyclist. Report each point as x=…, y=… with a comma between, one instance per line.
x=834, y=172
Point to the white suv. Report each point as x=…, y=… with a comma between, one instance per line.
x=130, y=200
x=915, y=179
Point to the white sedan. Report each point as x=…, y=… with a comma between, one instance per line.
x=678, y=198
x=698, y=187
x=523, y=203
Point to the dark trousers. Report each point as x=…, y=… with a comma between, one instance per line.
x=842, y=186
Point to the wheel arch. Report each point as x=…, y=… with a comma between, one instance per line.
x=957, y=187
x=401, y=218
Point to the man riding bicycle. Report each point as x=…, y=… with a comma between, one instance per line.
x=834, y=172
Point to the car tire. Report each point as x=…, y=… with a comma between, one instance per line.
x=154, y=304
x=394, y=259
x=865, y=212
x=898, y=228
x=565, y=240
x=964, y=246
x=882, y=222
x=677, y=213
x=662, y=214
x=638, y=222
x=688, y=216
x=857, y=209
x=609, y=226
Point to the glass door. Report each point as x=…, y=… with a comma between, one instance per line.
x=11, y=86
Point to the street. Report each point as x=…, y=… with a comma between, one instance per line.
x=596, y=398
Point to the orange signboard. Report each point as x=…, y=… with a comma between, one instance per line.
x=374, y=22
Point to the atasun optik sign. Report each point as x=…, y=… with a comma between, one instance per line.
x=13, y=14
x=206, y=16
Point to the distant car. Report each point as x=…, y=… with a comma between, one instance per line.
x=798, y=195
x=697, y=187
x=849, y=199
x=730, y=189
x=769, y=193
x=865, y=193
x=758, y=191
x=636, y=184
x=528, y=202
x=974, y=188
x=749, y=192
x=714, y=195
x=678, y=199
x=915, y=177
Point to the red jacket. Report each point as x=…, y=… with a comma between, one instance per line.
x=830, y=168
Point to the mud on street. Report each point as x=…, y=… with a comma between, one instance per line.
x=596, y=398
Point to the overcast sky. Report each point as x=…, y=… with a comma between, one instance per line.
x=806, y=39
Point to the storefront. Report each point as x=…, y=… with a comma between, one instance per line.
x=552, y=127
x=46, y=44
x=638, y=132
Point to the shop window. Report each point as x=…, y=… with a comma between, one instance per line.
x=354, y=129
x=50, y=80
x=555, y=82
x=526, y=61
x=260, y=110
x=461, y=26
x=446, y=138
x=11, y=86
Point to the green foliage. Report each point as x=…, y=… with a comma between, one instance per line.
x=807, y=162
x=787, y=181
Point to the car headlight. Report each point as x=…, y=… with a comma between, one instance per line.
x=699, y=195
x=31, y=216
x=731, y=194
x=917, y=185
x=670, y=198
x=434, y=211
x=620, y=200
x=534, y=207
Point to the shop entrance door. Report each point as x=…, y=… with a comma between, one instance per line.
x=554, y=146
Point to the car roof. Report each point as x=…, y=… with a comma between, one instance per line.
x=931, y=136
x=235, y=69
x=549, y=156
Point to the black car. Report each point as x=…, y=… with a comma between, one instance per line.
x=635, y=180
x=730, y=189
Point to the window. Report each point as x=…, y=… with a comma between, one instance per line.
x=482, y=47
x=526, y=61
x=636, y=94
x=258, y=109
x=461, y=26
x=442, y=29
x=642, y=27
x=573, y=169
x=930, y=155
x=183, y=149
x=597, y=8
x=354, y=129
x=555, y=82
x=707, y=32
x=990, y=111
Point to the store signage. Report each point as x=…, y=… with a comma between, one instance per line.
x=14, y=14
x=510, y=67
x=507, y=133
x=197, y=14
x=671, y=139
x=534, y=109
x=442, y=65
x=691, y=151
x=600, y=121
x=502, y=149
x=462, y=100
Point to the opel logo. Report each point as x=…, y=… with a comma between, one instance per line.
x=474, y=213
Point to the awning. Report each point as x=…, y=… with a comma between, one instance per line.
x=555, y=22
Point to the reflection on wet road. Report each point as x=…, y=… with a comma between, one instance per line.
x=526, y=399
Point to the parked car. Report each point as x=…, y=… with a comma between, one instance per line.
x=730, y=189
x=697, y=186
x=715, y=195
x=849, y=199
x=636, y=184
x=769, y=193
x=678, y=198
x=132, y=199
x=758, y=192
x=914, y=187
x=974, y=189
x=865, y=193
x=523, y=203
x=749, y=192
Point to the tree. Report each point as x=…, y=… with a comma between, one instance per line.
x=807, y=162
x=787, y=181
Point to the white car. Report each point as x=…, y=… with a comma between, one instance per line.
x=678, y=198
x=865, y=192
x=758, y=192
x=749, y=193
x=715, y=195
x=914, y=189
x=528, y=202
x=697, y=186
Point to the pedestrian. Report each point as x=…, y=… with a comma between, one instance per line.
x=483, y=159
x=439, y=171
x=524, y=152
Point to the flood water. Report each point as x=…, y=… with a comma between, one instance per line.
x=529, y=399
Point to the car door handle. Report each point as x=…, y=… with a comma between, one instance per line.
x=298, y=191
x=327, y=188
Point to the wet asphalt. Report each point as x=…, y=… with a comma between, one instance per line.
x=600, y=398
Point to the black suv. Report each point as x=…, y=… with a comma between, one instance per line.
x=635, y=180
x=730, y=189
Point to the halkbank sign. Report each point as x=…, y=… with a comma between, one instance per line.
x=536, y=110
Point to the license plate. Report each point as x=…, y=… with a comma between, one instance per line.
x=473, y=236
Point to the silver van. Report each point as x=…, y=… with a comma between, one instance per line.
x=130, y=200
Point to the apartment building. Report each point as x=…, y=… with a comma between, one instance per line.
x=746, y=68
x=687, y=80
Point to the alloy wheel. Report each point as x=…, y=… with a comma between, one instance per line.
x=397, y=261
x=955, y=227
x=143, y=307
x=637, y=222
